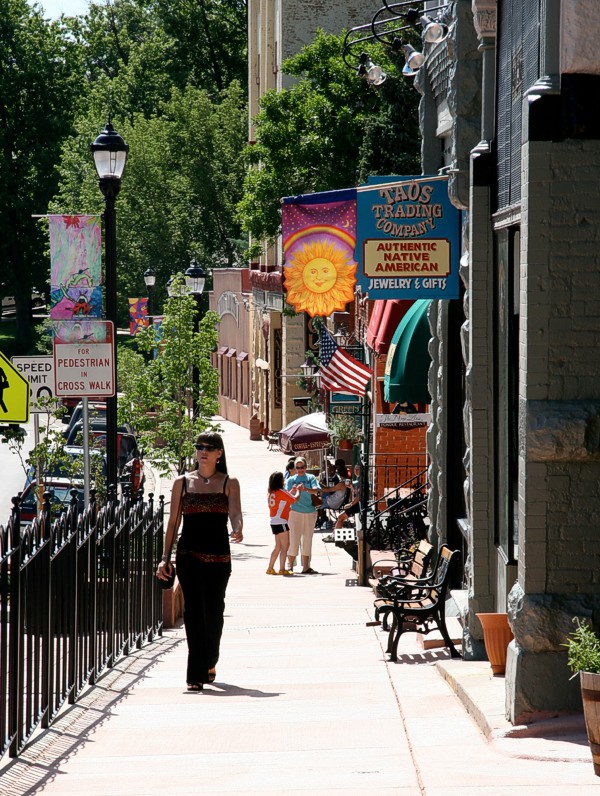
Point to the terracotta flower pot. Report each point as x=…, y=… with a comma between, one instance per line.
x=590, y=694
x=497, y=636
x=345, y=445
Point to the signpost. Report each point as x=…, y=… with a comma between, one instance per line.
x=14, y=393
x=39, y=371
x=85, y=368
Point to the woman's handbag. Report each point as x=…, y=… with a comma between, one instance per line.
x=168, y=583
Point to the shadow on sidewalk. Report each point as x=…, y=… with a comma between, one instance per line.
x=227, y=690
x=40, y=762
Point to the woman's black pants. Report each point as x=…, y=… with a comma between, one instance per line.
x=204, y=585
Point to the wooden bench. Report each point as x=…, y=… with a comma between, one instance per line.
x=408, y=562
x=419, y=605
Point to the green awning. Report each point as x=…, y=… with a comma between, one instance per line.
x=408, y=358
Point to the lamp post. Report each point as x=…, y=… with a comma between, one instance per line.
x=110, y=155
x=150, y=280
x=195, y=279
x=308, y=371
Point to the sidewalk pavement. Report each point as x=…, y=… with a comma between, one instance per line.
x=305, y=700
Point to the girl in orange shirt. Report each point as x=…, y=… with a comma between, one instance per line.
x=279, y=508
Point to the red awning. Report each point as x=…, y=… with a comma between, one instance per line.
x=374, y=321
x=394, y=311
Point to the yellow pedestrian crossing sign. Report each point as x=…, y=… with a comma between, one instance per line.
x=14, y=393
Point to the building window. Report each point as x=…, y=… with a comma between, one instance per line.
x=506, y=377
x=277, y=343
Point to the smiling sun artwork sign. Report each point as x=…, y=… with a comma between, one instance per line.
x=319, y=236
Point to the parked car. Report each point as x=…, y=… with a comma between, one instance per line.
x=60, y=496
x=96, y=412
x=97, y=427
x=38, y=299
x=130, y=462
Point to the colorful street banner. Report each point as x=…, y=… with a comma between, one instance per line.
x=319, y=236
x=75, y=267
x=408, y=239
x=82, y=331
x=138, y=315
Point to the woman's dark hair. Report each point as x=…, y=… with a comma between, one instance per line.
x=211, y=438
x=275, y=481
x=341, y=468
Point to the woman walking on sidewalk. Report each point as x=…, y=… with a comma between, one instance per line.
x=206, y=498
x=280, y=502
x=302, y=517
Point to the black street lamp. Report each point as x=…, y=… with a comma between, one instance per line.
x=150, y=280
x=194, y=280
x=110, y=155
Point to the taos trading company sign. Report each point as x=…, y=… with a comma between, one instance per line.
x=408, y=239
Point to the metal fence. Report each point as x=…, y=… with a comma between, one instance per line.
x=76, y=593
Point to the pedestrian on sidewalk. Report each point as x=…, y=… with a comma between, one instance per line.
x=352, y=508
x=206, y=498
x=302, y=517
x=290, y=468
x=280, y=501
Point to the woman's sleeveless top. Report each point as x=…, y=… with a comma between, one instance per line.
x=204, y=534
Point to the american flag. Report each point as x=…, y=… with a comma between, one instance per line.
x=339, y=371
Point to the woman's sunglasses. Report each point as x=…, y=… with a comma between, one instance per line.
x=300, y=467
x=203, y=447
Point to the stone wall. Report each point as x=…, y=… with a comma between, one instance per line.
x=299, y=20
x=559, y=468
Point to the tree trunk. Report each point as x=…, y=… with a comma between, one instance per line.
x=23, y=321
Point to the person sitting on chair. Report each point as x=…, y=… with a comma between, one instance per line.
x=334, y=494
x=352, y=508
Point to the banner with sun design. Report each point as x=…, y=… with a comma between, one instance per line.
x=319, y=235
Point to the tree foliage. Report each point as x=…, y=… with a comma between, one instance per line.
x=329, y=130
x=160, y=397
x=185, y=170
x=39, y=93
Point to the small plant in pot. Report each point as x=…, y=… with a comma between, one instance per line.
x=345, y=431
x=583, y=647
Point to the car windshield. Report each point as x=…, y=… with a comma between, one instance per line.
x=61, y=494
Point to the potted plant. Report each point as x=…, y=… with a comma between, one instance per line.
x=583, y=647
x=345, y=431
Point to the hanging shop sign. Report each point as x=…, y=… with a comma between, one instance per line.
x=403, y=421
x=408, y=239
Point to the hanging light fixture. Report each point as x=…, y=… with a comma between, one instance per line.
x=433, y=32
x=414, y=60
x=373, y=73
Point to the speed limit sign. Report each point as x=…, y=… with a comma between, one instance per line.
x=39, y=372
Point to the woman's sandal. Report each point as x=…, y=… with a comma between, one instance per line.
x=212, y=675
x=195, y=687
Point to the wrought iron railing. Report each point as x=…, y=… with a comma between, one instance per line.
x=76, y=593
x=404, y=518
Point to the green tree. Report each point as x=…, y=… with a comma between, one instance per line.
x=183, y=179
x=160, y=396
x=39, y=93
x=329, y=130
